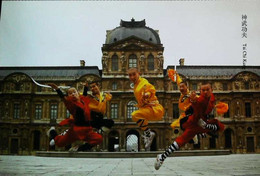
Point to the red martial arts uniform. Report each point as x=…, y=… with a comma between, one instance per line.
x=80, y=128
x=202, y=107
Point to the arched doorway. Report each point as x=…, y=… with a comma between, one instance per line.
x=36, y=140
x=132, y=141
x=113, y=141
x=228, y=138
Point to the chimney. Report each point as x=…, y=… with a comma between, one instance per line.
x=181, y=61
x=82, y=63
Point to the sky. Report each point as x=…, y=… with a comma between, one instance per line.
x=61, y=33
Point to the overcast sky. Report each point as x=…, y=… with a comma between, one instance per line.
x=60, y=33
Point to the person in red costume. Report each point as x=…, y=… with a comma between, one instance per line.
x=196, y=123
x=80, y=124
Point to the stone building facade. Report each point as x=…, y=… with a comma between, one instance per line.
x=27, y=111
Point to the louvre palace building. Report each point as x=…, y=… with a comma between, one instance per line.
x=27, y=111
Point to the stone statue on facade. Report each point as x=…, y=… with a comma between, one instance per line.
x=123, y=60
x=105, y=61
x=160, y=60
x=142, y=61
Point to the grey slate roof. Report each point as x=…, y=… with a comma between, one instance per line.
x=38, y=72
x=133, y=28
x=229, y=71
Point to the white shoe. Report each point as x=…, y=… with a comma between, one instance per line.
x=158, y=163
x=202, y=124
x=74, y=149
x=148, y=141
x=195, y=139
x=52, y=142
x=48, y=132
x=105, y=129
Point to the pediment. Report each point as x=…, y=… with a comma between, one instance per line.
x=246, y=77
x=17, y=77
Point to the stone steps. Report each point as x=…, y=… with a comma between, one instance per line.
x=129, y=154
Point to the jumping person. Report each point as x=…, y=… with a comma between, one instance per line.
x=148, y=104
x=80, y=126
x=97, y=106
x=202, y=106
x=184, y=103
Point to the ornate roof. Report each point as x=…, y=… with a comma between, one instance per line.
x=132, y=28
x=228, y=71
x=57, y=73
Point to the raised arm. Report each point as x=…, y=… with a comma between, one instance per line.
x=55, y=87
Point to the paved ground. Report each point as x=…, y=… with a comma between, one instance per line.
x=236, y=164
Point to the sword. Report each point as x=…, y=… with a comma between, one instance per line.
x=43, y=85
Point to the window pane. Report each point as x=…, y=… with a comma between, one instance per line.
x=131, y=108
x=54, y=111
x=225, y=87
x=114, y=110
x=150, y=62
x=132, y=61
x=248, y=109
x=194, y=86
x=38, y=111
x=114, y=63
x=16, y=111
x=114, y=86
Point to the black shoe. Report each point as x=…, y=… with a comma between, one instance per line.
x=85, y=147
x=213, y=134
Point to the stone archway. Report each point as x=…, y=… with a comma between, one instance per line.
x=228, y=138
x=132, y=141
x=113, y=141
x=36, y=140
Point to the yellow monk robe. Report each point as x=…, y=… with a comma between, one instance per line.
x=184, y=104
x=98, y=103
x=149, y=109
x=184, y=101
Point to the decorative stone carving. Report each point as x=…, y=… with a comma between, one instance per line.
x=142, y=61
x=123, y=60
x=105, y=61
x=160, y=60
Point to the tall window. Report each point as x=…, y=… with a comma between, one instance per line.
x=132, y=61
x=38, y=111
x=114, y=63
x=16, y=111
x=150, y=62
x=114, y=86
x=114, y=110
x=225, y=86
x=175, y=111
x=248, y=109
x=194, y=86
x=54, y=111
x=131, y=108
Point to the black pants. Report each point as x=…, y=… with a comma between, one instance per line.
x=97, y=120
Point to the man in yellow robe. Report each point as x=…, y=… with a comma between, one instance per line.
x=97, y=106
x=184, y=103
x=148, y=104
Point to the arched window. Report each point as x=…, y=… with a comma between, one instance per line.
x=150, y=62
x=114, y=63
x=131, y=108
x=132, y=61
